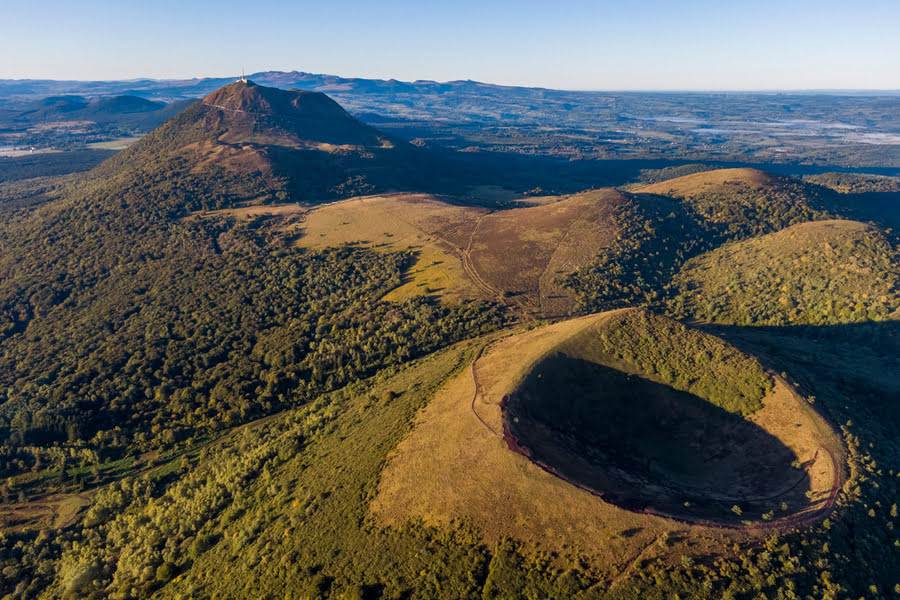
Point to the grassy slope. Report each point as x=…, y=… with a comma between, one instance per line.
x=820, y=272
x=501, y=493
x=737, y=203
x=469, y=252
x=433, y=229
x=452, y=468
x=523, y=251
x=695, y=183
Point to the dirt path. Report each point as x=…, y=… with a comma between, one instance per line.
x=469, y=265
x=461, y=254
x=478, y=391
x=237, y=110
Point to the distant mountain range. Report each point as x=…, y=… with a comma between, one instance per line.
x=837, y=129
x=175, y=89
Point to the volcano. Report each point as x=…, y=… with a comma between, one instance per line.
x=304, y=144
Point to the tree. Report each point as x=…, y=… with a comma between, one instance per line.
x=165, y=572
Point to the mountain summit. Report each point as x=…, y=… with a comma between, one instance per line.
x=248, y=97
x=303, y=144
x=298, y=118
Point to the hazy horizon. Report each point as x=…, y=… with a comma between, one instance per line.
x=835, y=91
x=698, y=45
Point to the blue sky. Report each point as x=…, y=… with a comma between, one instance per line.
x=650, y=44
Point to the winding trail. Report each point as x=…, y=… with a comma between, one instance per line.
x=462, y=254
x=220, y=107
x=799, y=520
x=468, y=264
x=478, y=391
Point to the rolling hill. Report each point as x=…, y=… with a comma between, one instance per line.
x=511, y=256
x=675, y=221
x=738, y=203
x=109, y=114
x=62, y=108
x=251, y=356
x=821, y=272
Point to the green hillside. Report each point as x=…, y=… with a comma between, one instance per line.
x=685, y=359
x=739, y=203
x=194, y=406
x=656, y=236
x=716, y=243
x=126, y=328
x=814, y=273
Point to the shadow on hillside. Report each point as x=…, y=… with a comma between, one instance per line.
x=547, y=175
x=852, y=368
x=644, y=445
x=880, y=207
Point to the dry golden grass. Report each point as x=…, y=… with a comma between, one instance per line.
x=401, y=222
x=462, y=252
x=466, y=252
x=67, y=509
x=453, y=467
x=696, y=183
x=523, y=251
x=116, y=144
x=788, y=417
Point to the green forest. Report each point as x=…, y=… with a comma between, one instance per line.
x=194, y=406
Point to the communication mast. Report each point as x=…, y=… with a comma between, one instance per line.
x=243, y=78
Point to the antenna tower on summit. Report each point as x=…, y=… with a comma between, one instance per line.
x=243, y=78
